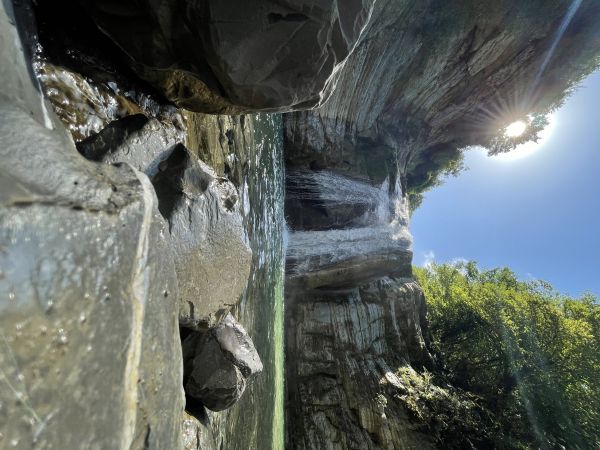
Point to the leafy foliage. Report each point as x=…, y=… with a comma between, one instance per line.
x=439, y=163
x=501, y=143
x=454, y=418
x=531, y=355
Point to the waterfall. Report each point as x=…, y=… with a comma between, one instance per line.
x=341, y=257
x=330, y=188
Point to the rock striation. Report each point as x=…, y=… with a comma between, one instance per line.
x=343, y=350
x=353, y=318
x=430, y=77
x=425, y=80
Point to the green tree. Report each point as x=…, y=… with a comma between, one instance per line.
x=531, y=354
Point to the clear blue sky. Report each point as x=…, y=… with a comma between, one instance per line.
x=538, y=214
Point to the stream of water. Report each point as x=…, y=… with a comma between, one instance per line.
x=257, y=420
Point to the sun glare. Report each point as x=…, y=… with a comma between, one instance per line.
x=516, y=129
x=528, y=148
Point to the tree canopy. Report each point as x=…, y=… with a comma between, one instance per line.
x=529, y=354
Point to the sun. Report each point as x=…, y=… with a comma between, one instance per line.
x=528, y=148
x=515, y=129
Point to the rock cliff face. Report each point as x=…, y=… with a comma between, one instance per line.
x=425, y=80
x=354, y=317
x=429, y=77
x=343, y=350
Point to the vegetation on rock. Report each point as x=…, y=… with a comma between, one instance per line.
x=522, y=358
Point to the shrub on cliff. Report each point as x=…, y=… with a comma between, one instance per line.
x=531, y=355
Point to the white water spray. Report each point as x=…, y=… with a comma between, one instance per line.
x=381, y=246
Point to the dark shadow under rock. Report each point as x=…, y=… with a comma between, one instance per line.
x=233, y=56
x=138, y=140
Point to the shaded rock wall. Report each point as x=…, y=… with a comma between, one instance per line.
x=342, y=354
x=236, y=56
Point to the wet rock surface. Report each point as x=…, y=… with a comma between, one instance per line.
x=208, y=239
x=197, y=434
x=90, y=352
x=220, y=364
x=231, y=56
x=138, y=140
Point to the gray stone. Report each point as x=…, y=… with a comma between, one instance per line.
x=230, y=56
x=197, y=434
x=208, y=239
x=138, y=140
x=220, y=364
x=89, y=351
x=342, y=353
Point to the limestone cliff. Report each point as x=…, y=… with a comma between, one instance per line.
x=343, y=351
x=430, y=77
x=426, y=79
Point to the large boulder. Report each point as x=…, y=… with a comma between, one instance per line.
x=208, y=238
x=228, y=56
x=206, y=232
x=90, y=354
x=220, y=364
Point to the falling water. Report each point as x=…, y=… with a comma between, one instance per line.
x=382, y=248
x=330, y=188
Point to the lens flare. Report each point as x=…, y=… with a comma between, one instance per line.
x=516, y=129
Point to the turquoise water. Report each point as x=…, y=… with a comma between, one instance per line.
x=257, y=420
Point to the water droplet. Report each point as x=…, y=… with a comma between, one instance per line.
x=62, y=336
x=82, y=318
